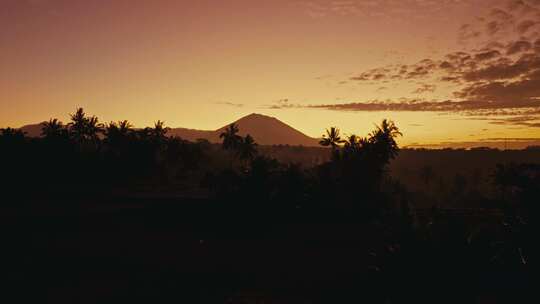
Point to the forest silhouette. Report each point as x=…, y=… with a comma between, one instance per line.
x=118, y=212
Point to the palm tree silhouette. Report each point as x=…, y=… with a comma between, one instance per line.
x=52, y=129
x=10, y=134
x=231, y=139
x=247, y=148
x=117, y=134
x=77, y=125
x=331, y=138
x=93, y=129
x=83, y=128
x=122, y=128
x=353, y=143
x=383, y=140
x=159, y=131
x=388, y=128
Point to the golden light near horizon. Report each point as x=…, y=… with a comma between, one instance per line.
x=446, y=71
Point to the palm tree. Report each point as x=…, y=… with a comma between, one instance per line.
x=10, y=134
x=116, y=134
x=352, y=143
x=83, y=128
x=332, y=138
x=93, y=129
x=383, y=140
x=388, y=128
x=124, y=127
x=231, y=139
x=77, y=126
x=247, y=148
x=159, y=131
x=52, y=129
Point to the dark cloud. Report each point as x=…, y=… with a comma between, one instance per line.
x=420, y=105
x=501, y=143
x=518, y=47
x=498, y=20
x=419, y=70
x=373, y=74
x=484, y=65
x=487, y=55
x=488, y=78
x=518, y=17
x=499, y=80
x=424, y=87
x=523, y=6
x=493, y=27
x=514, y=93
x=503, y=68
x=537, y=46
x=524, y=26
x=512, y=139
x=468, y=32
x=525, y=121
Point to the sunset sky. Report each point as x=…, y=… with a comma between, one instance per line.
x=446, y=71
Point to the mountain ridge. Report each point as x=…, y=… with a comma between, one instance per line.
x=266, y=130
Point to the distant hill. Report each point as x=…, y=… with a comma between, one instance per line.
x=265, y=129
x=32, y=130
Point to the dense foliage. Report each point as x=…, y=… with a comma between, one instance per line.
x=402, y=228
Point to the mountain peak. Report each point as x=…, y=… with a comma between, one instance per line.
x=256, y=116
x=268, y=130
x=265, y=129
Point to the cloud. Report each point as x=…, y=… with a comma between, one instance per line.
x=418, y=70
x=425, y=88
x=500, y=143
x=498, y=79
x=509, y=95
x=421, y=105
x=468, y=32
x=518, y=47
x=486, y=78
x=487, y=55
x=526, y=121
x=283, y=103
x=381, y=9
x=226, y=103
x=502, y=69
x=525, y=25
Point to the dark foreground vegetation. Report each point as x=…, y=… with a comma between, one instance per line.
x=95, y=213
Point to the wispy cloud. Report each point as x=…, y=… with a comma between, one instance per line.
x=232, y=104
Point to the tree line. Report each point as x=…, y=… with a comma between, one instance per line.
x=86, y=157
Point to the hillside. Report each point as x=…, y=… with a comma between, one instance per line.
x=265, y=129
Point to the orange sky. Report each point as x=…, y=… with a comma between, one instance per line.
x=312, y=64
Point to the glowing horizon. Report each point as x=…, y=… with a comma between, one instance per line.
x=311, y=64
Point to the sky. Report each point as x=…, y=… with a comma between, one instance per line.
x=448, y=72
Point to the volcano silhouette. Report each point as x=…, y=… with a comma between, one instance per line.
x=265, y=130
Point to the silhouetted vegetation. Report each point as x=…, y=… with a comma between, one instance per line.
x=231, y=219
